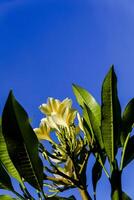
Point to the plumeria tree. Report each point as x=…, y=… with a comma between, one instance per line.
x=54, y=157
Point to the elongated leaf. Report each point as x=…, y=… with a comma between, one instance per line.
x=127, y=120
x=125, y=196
x=129, y=153
x=111, y=114
x=6, y=197
x=97, y=172
x=5, y=159
x=124, y=151
x=84, y=97
x=22, y=143
x=93, y=125
x=83, y=163
x=88, y=133
x=5, y=182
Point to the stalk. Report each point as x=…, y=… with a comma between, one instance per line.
x=116, y=186
x=116, y=193
x=84, y=194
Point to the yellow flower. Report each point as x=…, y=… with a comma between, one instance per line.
x=55, y=106
x=58, y=113
x=43, y=132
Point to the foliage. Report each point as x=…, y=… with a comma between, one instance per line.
x=53, y=157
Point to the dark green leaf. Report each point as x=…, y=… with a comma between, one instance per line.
x=84, y=97
x=125, y=196
x=111, y=115
x=5, y=159
x=97, y=172
x=22, y=143
x=129, y=152
x=127, y=120
x=88, y=132
x=83, y=162
x=5, y=182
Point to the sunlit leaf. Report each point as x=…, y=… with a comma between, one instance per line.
x=129, y=152
x=93, y=125
x=6, y=197
x=127, y=120
x=22, y=143
x=84, y=97
x=111, y=114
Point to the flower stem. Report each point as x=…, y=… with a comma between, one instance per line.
x=84, y=194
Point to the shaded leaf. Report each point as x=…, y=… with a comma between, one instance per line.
x=125, y=196
x=129, y=152
x=111, y=114
x=127, y=120
x=5, y=159
x=83, y=162
x=88, y=132
x=97, y=172
x=5, y=182
x=84, y=97
x=22, y=143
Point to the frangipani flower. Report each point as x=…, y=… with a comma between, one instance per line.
x=66, y=118
x=59, y=113
x=54, y=106
x=43, y=132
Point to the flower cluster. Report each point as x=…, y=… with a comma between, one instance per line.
x=59, y=114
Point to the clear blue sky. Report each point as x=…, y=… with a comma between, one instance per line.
x=46, y=45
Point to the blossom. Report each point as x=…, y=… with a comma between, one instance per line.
x=59, y=113
x=54, y=106
x=43, y=132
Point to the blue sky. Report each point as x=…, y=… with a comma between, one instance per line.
x=46, y=45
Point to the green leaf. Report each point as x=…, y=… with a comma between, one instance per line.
x=127, y=120
x=111, y=115
x=125, y=196
x=22, y=143
x=6, y=197
x=5, y=159
x=82, y=161
x=93, y=125
x=124, y=151
x=84, y=97
x=97, y=172
x=5, y=182
x=129, y=152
